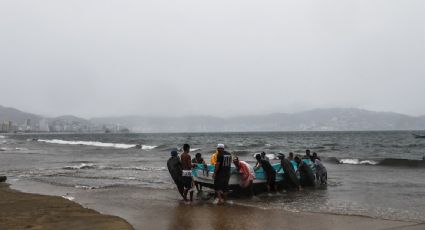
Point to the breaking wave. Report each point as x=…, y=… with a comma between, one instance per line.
x=357, y=162
x=96, y=143
x=395, y=162
x=81, y=166
x=130, y=168
x=141, y=168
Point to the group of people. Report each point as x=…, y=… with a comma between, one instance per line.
x=181, y=167
x=181, y=171
x=306, y=179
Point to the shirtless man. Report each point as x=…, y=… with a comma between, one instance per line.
x=187, y=172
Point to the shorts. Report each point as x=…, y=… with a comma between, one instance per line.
x=222, y=183
x=187, y=182
x=271, y=180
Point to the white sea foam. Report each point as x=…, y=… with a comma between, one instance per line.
x=96, y=143
x=148, y=147
x=84, y=187
x=69, y=197
x=195, y=149
x=21, y=149
x=271, y=156
x=2, y=137
x=129, y=178
x=357, y=162
x=141, y=168
x=81, y=166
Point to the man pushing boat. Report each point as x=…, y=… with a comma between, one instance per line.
x=174, y=166
x=187, y=172
x=222, y=173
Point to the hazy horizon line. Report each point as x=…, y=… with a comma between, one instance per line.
x=204, y=115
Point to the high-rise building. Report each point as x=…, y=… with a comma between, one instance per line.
x=28, y=125
x=4, y=127
x=43, y=125
x=8, y=127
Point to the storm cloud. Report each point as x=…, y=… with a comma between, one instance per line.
x=222, y=58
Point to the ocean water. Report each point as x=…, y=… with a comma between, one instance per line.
x=376, y=174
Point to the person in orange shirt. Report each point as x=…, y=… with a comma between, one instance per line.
x=214, y=157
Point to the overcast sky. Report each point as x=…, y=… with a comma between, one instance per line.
x=221, y=57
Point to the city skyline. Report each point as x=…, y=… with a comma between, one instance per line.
x=335, y=119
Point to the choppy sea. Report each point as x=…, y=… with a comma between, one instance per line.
x=376, y=174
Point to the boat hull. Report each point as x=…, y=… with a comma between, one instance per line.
x=204, y=178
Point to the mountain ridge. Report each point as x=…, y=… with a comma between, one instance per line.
x=332, y=119
x=322, y=119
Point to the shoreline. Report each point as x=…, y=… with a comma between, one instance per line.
x=21, y=210
x=146, y=208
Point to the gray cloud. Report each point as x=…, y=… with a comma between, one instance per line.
x=95, y=58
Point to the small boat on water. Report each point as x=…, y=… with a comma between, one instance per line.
x=204, y=178
x=418, y=135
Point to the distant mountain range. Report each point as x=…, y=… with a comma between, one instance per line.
x=13, y=120
x=17, y=116
x=336, y=119
x=313, y=120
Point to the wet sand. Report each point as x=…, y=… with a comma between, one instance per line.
x=153, y=209
x=161, y=209
x=30, y=211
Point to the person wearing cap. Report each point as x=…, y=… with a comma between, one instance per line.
x=222, y=173
x=175, y=168
x=290, y=179
x=268, y=170
x=247, y=175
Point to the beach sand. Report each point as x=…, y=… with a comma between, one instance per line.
x=153, y=209
x=162, y=209
x=30, y=211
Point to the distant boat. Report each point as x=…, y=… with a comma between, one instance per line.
x=418, y=135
